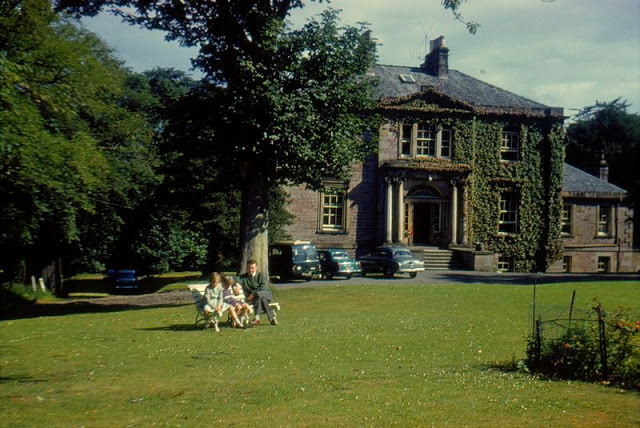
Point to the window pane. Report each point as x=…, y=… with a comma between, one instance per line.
x=604, y=264
x=510, y=146
x=407, y=131
x=332, y=212
x=566, y=219
x=426, y=140
x=604, y=220
x=505, y=264
x=508, y=220
x=446, y=143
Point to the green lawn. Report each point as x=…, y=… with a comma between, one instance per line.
x=405, y=355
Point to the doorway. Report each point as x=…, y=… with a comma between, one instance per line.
x=426, y=223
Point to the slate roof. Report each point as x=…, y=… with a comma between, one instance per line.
x=576, y=182
x=457, y=86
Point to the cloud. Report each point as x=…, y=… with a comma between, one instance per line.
x=561, y=53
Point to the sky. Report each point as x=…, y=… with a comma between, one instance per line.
x=562, y=53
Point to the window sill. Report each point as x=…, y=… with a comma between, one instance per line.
x=332, y=232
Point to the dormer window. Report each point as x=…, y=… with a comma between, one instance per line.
x=425, y=140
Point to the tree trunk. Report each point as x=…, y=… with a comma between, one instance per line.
x=254, y=218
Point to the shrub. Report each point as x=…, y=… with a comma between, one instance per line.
x=599, y=348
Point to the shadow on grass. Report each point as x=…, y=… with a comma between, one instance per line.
x=192, y=327
x=519, y=367
x=512, y=366
x=145, y=284
x=174, y=327
x=34, y=309
x=470, y=277
x=20, y=379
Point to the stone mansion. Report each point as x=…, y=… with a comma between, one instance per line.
x=474, y=172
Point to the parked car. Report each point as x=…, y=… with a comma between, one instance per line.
x=293, y=260
x=126, y=280
x=336, y=262
x=391, y=260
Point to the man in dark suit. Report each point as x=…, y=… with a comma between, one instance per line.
x=255, y=286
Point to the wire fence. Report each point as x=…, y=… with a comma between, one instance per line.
x=588, y=344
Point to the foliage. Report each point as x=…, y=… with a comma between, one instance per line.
x=170, y=244
x=199, y=182
x=68, y=150
x=537, y=178
x=454, y=6
x=288, y=103
x=319, y=367
x=605, y=129
x=577, y=354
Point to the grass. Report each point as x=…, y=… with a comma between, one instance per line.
x=403, y=355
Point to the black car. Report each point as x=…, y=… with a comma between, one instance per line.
x=390, y=260
x=336, y=262
x=293, y=260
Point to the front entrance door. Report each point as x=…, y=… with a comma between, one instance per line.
x=426, y=223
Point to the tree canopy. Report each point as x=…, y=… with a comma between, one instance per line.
x=285, y=104
x=68, y=149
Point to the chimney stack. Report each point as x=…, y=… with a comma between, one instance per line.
x=604, y=168
x=436, y=62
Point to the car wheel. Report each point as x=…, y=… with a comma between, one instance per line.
x=348, y=276
x=328, y=275
x=388, y=272
x=413, y=274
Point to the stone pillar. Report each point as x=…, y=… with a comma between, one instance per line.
x=388, y=219
x=454, y=212
x=400, y=207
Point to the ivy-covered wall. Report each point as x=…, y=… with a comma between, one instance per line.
x=536, y=177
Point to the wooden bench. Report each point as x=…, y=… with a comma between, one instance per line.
x=214, y=320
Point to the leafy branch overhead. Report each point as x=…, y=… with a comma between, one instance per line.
x=454, y=6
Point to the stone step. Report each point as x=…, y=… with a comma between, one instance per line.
x=437, y=259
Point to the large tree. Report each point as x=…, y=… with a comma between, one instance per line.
x=66, y=144
x=288, y=103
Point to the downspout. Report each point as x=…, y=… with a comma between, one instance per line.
x=617, y=236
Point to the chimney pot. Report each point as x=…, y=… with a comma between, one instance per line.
x=436, y=62
x=604, y=168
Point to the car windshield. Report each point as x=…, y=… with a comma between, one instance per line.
x=304, y=253
x=402, y=253
x=340, y=255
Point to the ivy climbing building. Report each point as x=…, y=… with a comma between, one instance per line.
x=463, y=169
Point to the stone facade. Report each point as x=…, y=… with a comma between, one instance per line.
x=452, y=152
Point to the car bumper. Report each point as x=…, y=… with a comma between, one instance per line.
x=348, y=272
x=411, y=270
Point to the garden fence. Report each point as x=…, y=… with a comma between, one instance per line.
x=553, y=324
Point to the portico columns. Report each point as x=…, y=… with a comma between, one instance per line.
x=388, y=231
x=454, y=212
x=400, y=212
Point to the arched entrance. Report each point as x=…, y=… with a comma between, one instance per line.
x=424, y=216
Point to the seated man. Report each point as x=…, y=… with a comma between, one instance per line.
x=256, y=288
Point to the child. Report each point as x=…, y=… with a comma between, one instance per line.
x=243, y=307
x=213, y=297
x=231, y=302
